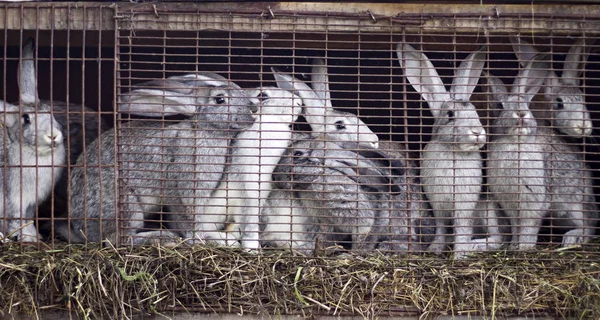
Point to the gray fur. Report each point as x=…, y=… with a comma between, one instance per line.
x=332, y=190
x=452, y=165
x=565, y=103
x=177, y=166
x=33, y=156
x=569, y=189
x=515, y=161
x=570, y=181
x=81, y=126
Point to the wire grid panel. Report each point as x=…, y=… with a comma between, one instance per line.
x=425, y=139
x=52, y=104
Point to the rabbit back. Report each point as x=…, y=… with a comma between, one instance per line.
x=570, y=188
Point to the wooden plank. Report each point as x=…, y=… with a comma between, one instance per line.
x=305, y=17
x=362, y=17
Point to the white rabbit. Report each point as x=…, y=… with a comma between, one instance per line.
x=570, y=189
x=515, y=164
x=452, y=164
x=33, y=154
x=325, y=121
x=247, y=182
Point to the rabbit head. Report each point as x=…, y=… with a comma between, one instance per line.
x=210, y=100
x=276, y=101
x=456, y=121
x=567, y=103
x=514, y=119
x=36, y=129
x=322, y=118
x=310, y=162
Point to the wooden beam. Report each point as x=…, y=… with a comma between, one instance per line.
x=305, y=17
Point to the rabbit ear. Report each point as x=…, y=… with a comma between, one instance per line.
x=467, y=75
x=287, y=82
x=314, y=109
x=9, y=114
x=495, y=86
x=27, y=78
x=156, y=103
x=422, y=76
x=498, y=90
x=366, y=175
x=204, y=79
x=320, y=81
x=576, y=58
x=530, y=79
x=380, y=158
x=523, y=50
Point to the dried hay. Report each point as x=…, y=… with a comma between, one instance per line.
x=97, y=282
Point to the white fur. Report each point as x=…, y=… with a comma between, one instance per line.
x=247, y=184
x=319, y=112
x=287, y=221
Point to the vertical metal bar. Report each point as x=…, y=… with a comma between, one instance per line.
x=117, y=165
x=4, y=186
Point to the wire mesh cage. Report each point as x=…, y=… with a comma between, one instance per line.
x=382, y=141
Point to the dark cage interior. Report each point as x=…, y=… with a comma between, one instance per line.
x=390, y=134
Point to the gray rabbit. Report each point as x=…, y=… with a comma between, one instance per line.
x=334, y=190
x=80, y=124
x=452, y=164
x=175, y=166
x=570, y=190
x=515, y=164
x=33, y=154
x=320, y=85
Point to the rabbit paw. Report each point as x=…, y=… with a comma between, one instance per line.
x=437, y=248
x=224, y=239
x=251, y=245
x=521, y=246
x=486, y=244
x=393, y=247
x=28, y=234
x=573, y=237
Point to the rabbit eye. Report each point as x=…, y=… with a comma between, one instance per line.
x=560, y=104
x=339, y=125
x=26, y=119
x=298, y=153
x=262, y=96
x=450, y=115
x=220, y=99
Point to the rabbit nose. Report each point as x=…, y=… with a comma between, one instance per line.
x=523, y=114
x=375, y=145
x=54, y=138
x=477, y=131
x=585, y=128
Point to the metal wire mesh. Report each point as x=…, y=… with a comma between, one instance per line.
x=204, y=150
